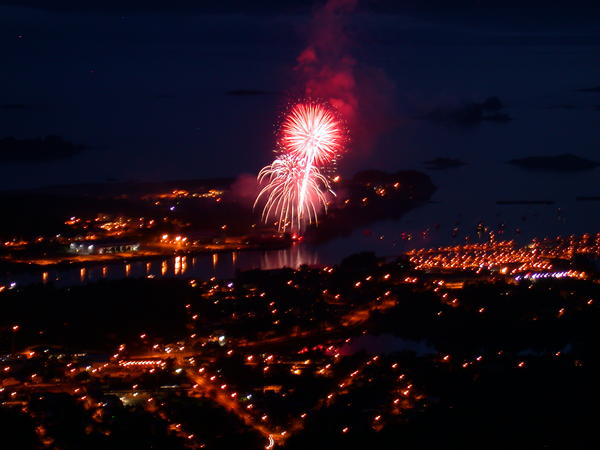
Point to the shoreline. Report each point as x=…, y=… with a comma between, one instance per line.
x=64, y=263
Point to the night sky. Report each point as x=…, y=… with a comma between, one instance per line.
x=150, y=89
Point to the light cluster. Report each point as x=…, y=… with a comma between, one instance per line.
x=536, y=257
x=296, y=187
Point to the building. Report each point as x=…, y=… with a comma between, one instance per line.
x=103, y=247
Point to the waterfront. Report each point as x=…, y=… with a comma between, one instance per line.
x=200, y=266
x=458, y=213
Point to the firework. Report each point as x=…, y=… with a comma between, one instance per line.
x=287, y=182
x=296, y=190
x=312, y=132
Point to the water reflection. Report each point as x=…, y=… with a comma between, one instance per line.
x=222, y=265
x=293, y=257
x=180, y=266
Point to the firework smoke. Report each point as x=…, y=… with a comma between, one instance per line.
x=327, y=70
x=312, y=136
x=325, y=65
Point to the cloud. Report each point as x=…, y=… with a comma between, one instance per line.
x=469, y=114
x=13, y=106
x=590, y=89
x=49, y=148
x=559, y=163
x=248, y=92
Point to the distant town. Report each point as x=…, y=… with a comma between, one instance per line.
x=369, y=350
x=131, y=222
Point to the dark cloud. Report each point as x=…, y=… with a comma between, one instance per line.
x=590, y=89
x=560, y=163
x=249, y=92
x=13, y=106
x=163, y=97
x=469, y=113
x=49, y=148
x=442, y=163
x=566, y=106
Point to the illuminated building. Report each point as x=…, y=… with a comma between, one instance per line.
x=103, y=247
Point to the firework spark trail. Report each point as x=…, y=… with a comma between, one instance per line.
x=286, y=178
x=311, y=137
x=312, y=134
x=307, y=172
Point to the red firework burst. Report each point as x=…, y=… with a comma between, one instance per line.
x=311, y=139
x=312, y=132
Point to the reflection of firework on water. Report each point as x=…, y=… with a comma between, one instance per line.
x=292, y=257
x=296, y=189
x=293, y=195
